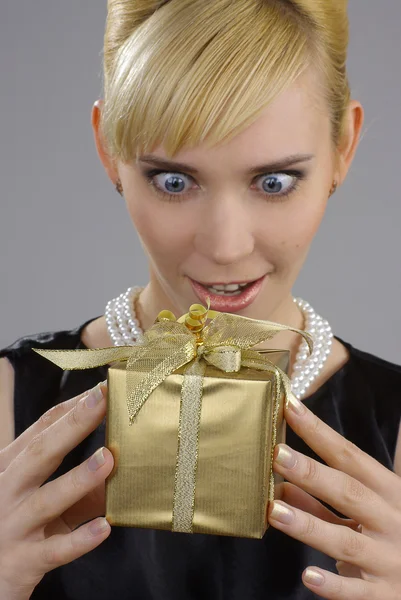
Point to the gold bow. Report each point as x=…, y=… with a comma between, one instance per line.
x=170, y=344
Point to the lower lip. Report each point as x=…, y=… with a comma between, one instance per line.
x=229, y=304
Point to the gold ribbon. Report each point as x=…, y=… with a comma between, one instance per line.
x=170, y=344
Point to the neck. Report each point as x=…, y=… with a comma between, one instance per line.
x=287, y=313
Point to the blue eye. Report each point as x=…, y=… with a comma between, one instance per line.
x=278, y=183
x=172, y=186
x=174, y=183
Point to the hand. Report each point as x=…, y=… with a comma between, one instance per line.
x=367, y=546
x=41, y=525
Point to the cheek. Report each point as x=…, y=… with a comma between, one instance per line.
x=289, y=235
x=302, y=225
x=158, y=230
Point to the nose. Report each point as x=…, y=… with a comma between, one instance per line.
x=224, y=234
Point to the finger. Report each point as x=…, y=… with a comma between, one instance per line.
x=334, y=587
x=294, y=496
x=339, y=542
x=54, y=413
x=55, y=497
x=46, y=451
x=90, y=506
x=61, y=549
x=346, y=570
x=341, y=491
x=342, y=454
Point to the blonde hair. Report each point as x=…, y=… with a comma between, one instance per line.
x=185, y=72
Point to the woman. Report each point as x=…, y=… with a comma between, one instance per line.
x=226, y=206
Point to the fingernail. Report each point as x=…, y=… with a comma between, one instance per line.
x=99, y=526
x=96, y=460
x=313, y=577
x=295, y=405
x=94, y=397
x=285, y=457
x=282, y=514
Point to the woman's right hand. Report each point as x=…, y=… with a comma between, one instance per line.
x=41, y=525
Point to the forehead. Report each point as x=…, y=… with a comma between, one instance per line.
x=296, y=121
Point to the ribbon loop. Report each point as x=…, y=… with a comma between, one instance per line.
x=225, y=358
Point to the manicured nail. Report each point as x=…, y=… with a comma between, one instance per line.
x=286, y=457
x=282, y=514
x=295, y=405
x=99, y=526
x=94, y=397
x=96, y=460
x=313, y=577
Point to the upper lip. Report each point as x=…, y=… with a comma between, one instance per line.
x=227, y=282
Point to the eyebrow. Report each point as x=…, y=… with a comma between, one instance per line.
x=278, y=165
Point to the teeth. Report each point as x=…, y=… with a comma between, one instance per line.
x=232, y=289
x=223, y=293
x=218, y=287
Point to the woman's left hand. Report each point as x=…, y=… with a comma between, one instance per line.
x=367, y=546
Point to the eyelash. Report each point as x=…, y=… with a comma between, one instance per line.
x=299, y=176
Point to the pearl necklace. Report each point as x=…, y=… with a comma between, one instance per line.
x=125, y=330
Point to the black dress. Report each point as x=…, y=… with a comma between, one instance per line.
x=362, y=401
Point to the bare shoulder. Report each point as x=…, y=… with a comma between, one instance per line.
x=95, y=334
x=7, y=377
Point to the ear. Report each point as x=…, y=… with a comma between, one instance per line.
x=350, y=140
x=108, y=163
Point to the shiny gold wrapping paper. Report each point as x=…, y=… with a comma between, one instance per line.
x=234, y=452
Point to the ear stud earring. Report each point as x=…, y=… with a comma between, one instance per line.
x=333, y=188
x=119, y=187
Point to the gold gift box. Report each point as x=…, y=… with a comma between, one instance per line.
x=234, y=452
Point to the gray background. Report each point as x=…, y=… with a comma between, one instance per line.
x=67, y=244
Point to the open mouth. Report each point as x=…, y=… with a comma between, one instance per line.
x=230, y=297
